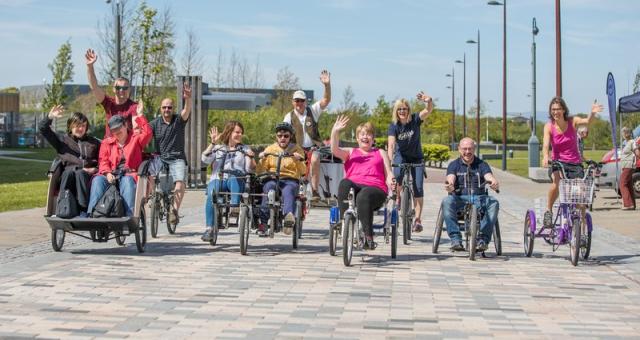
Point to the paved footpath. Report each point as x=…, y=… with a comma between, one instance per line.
x=182, y=287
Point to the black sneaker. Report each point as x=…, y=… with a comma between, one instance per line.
x=456, y=245
x=369, y=244
x=481, y=246
x=315, y=196
x=547, y=221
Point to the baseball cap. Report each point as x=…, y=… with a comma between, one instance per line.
x=116, y=122
x=299, y=95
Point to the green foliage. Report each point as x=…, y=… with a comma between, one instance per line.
x=62, y=72
x=435, y=152
x=10, y=90
x=381, y=142
x=258, y=126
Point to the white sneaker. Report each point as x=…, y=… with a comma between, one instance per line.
x=289, y=222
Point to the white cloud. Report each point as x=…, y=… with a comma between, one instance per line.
x=265, y=32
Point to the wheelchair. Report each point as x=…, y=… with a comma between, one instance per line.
x=350, y=231
x=225, y=216
x=468, y=219
x=100, y=229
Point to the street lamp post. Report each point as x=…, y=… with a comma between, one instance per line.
x=118, y=32
x=453, y=107
x=464, y=93
x=558, y=52
x=478, y=97
x=504, y=79
x=534, y=143
x=487, y=120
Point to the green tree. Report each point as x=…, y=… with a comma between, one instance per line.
x=62, y=72
x=286, y=83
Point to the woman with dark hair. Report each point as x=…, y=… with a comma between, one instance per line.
x=560, y=135
x=226, y=152
x=77, y=151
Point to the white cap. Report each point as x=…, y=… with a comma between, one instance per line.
x=299, y=95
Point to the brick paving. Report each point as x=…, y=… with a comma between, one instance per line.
x=182, y=287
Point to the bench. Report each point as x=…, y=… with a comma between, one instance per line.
x=486, y=156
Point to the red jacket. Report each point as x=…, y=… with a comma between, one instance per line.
x=110, y=153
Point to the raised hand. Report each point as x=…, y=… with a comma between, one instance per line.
x=596, y=108
x=325, y=77
x=186, y=91
x=90, y=57
x=213, y=134
x=140, y=108
x=56, y=112
x=340, y=123
x=423, y=97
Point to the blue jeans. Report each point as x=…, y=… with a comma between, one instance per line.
x=453, y=203
x=231, y=184
x=127, y=188
x=288, y=189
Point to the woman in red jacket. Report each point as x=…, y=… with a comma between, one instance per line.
x=120, y=156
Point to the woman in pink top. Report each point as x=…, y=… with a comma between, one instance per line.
x=367, y=171
x=560, y=134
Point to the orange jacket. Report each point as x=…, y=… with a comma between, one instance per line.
x=110, y=153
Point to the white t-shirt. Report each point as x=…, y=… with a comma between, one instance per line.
x=315, y=111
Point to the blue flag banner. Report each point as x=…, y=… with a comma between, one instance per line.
x=611, y=94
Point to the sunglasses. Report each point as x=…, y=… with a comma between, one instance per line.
x=299, y=100
x=402, y=109
x=283, y=136
x=121, y=88
x=167, y=107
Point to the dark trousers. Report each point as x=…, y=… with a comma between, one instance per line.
x=368, y=200
x=77, y=181
x=626, y=188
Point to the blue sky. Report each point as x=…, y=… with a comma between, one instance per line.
x=391, y=48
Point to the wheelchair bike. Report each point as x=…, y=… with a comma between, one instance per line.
x=571, y=225
x=100, y=229
x=350, y=230
x=468, y=219
x=407, y=210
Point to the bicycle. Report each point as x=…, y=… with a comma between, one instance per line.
x=351, y=232
x=468, y=219
x=162, y=199
x=407, y=211
x=568, y=223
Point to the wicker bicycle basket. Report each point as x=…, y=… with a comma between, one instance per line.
x=576, y=191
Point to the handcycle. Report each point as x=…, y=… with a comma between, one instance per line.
x=407, y=211
x=162, y=198
x=100, y=229
x=568, y=223
x=468, y=219
x=350, y=230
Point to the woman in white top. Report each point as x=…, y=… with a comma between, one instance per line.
x=226, y=152
x=628, y=164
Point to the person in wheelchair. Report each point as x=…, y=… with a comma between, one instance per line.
x=120, y=157
x=77, y=151
x=226, y=152
x=457, y=172
x=292, y=169
x=367, y=171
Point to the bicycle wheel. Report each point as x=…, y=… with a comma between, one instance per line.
x=171, y=227
x=348, y=234
x=394, y=239
x=585, y=243
x=141, y=233
x=405, y=207
x=574, y=244
x=529, y=232
x=333, y=239
x=57, y=239
x=437, y=232
x=120, y=239
x=298, y=225
x=299, y=218
x=154, y=215
x=216, y=225
x=497, y=238
x=473, y=232
x=244, y=228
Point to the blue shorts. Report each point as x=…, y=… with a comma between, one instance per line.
x=177, y=168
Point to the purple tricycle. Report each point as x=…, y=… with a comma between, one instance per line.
x=571, y=224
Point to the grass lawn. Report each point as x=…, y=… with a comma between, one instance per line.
x=33, y=153
x=23, y=184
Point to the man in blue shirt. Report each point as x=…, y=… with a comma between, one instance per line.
x=465, y=175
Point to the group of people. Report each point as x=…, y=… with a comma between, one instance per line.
x=91, y=165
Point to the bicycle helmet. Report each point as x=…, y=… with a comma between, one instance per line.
x=284, y=126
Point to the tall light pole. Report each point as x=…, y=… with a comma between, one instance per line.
x=504, y=79
x=478, y=98
x=464, y=93
x=558, y=52
x=453, y=107
x=118, y=32
x=487, y=119
x=534, y=143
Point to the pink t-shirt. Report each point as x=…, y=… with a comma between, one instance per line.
x=366, y=168
x=564, y=146
x=126, y=110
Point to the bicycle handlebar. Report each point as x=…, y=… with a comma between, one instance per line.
x=407, y=165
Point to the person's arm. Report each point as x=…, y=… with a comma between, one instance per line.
x=186, y=94
x=104, y=166
x=388, y=173
x=47, y=132
x=325, y=79
x=595, y=109
x=493, y=182
x=450, y=180
x=546, y=138
x=428, y=108
x=144, y=134
x=391, y=141
x=90, y=58
x=340, y=124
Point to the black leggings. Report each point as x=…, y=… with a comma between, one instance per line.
x=77, y=181
x=368, y=200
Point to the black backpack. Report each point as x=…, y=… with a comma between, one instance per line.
x=67, y=205
x=110, y=204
